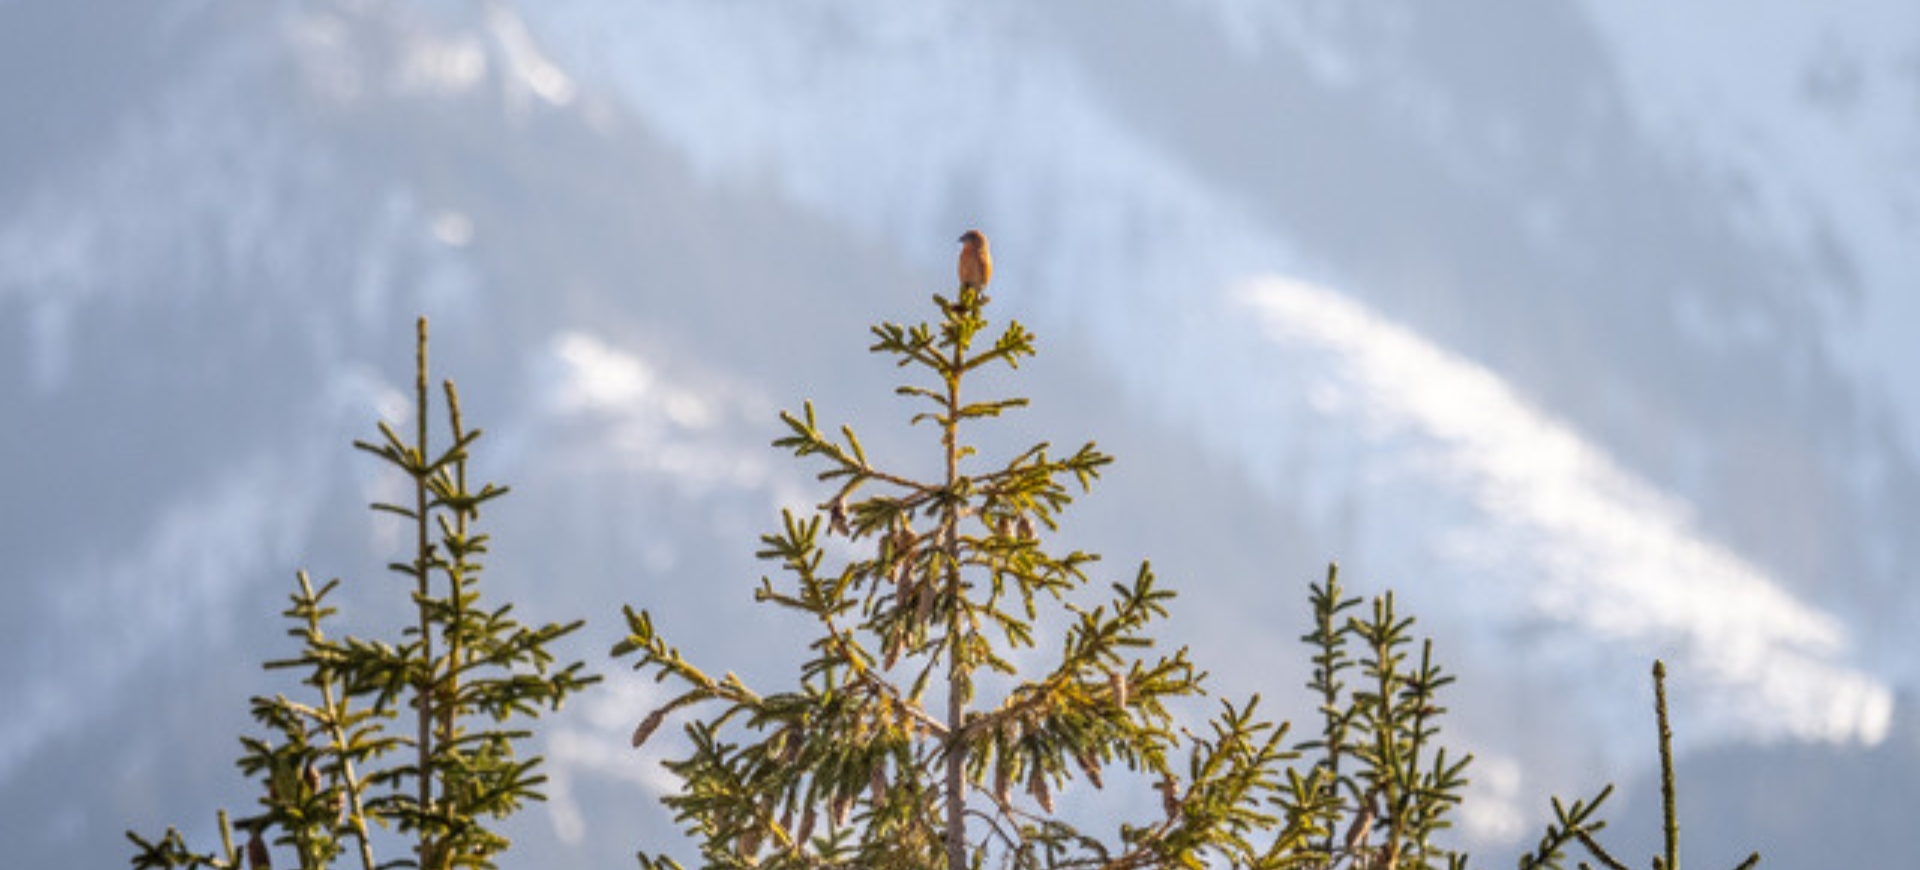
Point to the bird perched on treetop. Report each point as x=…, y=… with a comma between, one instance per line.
x=976, y=263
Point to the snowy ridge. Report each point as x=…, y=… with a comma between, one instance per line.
x=347, y=53
x=1571, y=538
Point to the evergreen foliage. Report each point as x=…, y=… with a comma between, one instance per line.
x=915, y=738
x=920, y=736
x=928, y=730
x=348, y=759
x=1576, y=823
x=1389, y=785
x=964, y=674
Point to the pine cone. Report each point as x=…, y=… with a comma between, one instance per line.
x=1170, y=796
x=1037, y=786
x=837, y=516
x=1091, y=766
x=258, y=858
x=648, y=726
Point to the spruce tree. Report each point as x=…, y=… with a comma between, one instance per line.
x=410, y=735
x=927, y=730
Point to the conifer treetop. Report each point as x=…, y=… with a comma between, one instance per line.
x=336, y=779
x=916, y=736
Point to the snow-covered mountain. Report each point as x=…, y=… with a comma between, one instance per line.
x=1583, y=327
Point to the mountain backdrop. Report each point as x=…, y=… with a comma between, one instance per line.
x=1588, y=328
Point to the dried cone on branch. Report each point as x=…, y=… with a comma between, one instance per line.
x=258, y=858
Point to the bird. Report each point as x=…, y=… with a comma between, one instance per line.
x=976, y=263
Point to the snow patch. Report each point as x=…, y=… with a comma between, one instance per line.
x=1565, y=530
x=651, y=419
x=452, y=65
x=532, y=73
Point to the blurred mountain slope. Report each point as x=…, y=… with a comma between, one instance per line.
x=640, y=228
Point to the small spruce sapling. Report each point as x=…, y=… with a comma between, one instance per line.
x=1577, y=822
x=348, y=760
x=1385, y=784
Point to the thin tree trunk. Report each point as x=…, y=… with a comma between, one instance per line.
x=956, y=671
x=423, y=565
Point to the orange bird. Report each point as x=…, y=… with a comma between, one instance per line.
x=976, y=263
